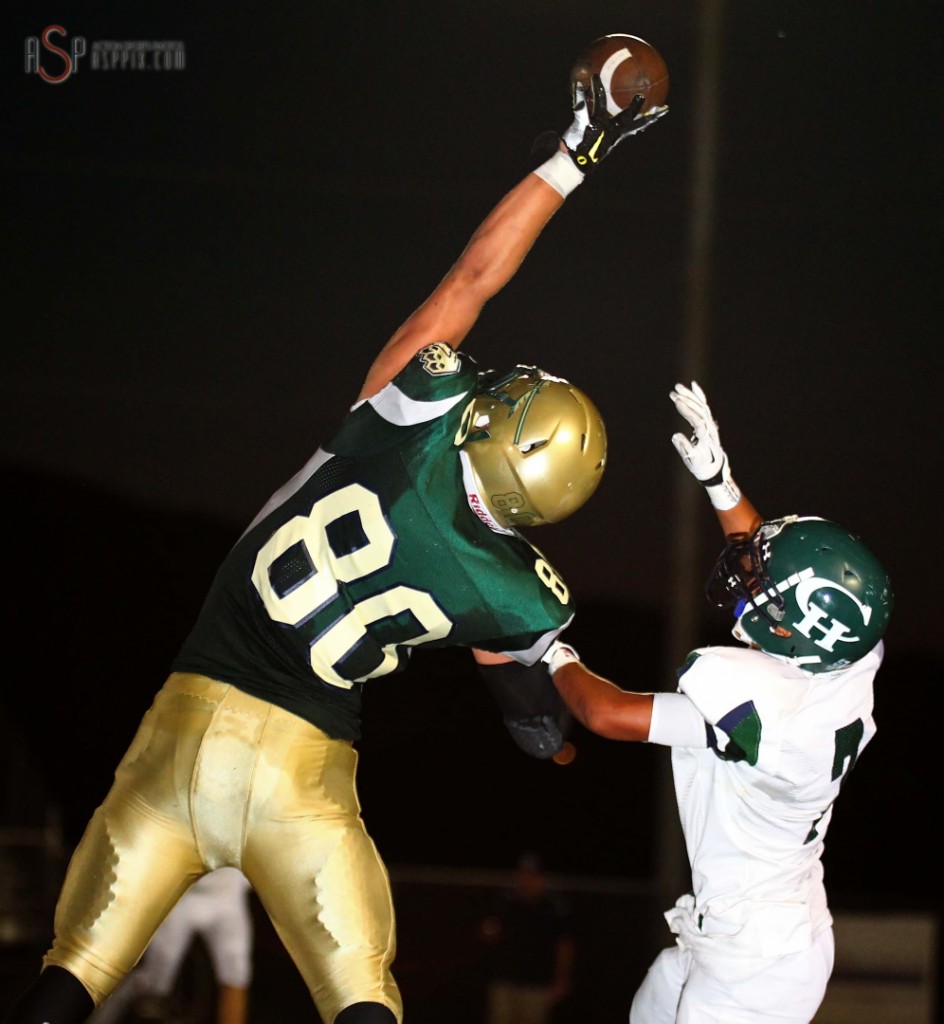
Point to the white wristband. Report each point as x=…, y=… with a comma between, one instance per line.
x=724, y=496
x=559, y=654
x=560, y=172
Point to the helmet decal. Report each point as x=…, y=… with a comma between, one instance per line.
x=510, y=502
x=814, y=614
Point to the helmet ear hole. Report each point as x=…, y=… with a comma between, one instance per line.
x=532, y=446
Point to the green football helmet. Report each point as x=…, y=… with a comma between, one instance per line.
x=806, y=590
x=536, y=446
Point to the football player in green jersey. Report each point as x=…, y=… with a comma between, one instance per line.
x=400, y=532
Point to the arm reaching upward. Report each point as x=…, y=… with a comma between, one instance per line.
x=487, y=264
x=503, y=239
x=707, y=461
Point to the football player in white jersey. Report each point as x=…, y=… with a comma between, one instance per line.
x=400, y=533
x=762, y=738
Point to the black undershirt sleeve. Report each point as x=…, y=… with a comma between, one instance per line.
x=531, y=707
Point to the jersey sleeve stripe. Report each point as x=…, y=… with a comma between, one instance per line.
x=399, y=409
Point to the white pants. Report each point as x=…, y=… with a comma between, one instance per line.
x=786, y=990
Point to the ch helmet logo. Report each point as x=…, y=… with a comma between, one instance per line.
x=832, y=630
x=829, y=627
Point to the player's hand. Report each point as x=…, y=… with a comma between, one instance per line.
x=702, y=453
x=591, y=137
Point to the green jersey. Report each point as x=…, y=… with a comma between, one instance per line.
x=378, y=545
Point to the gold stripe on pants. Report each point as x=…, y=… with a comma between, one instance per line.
x=215, y=777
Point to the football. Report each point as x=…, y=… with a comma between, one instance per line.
x=628, y=66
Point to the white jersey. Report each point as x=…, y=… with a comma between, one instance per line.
x=756, y=802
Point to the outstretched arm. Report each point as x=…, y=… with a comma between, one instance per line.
x=707, y=461
x=488, y=262
x=601, y=706
x=503, y=239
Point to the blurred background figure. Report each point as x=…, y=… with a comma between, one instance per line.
x=216, y=909
x=532, y=949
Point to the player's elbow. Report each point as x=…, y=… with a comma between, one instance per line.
x=598, y=717
x=601, y=706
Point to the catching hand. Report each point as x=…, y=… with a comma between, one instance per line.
x=702, y=453
x=591, y=137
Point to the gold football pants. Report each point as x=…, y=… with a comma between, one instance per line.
x=216, y=777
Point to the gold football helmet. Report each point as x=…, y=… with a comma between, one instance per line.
x=536, y=445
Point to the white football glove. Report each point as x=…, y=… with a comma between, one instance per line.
x=558, y=654
x=702, y=453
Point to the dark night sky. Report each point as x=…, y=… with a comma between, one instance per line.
x=202, y=264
